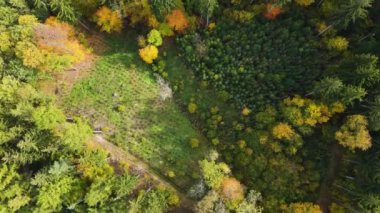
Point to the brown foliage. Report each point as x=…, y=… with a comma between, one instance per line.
x=177, y=20
x=272, y=11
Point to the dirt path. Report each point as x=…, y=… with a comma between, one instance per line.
x=324, y=199
x=119, y=155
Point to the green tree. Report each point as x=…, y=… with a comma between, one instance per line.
x=54, y=187
x=351, y=10
x=154, y=38
x=163, y=6
x=251, y=203
x=14, y=194
x=206, y=9
x=214, y=173
x=63, y=8
x=374, y=114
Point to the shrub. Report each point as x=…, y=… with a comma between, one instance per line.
x=121, y=108
x=170, y=174
x=215, y=141
x=173, y=199
x=141, y=41
x=108, y=20
x=192, y=107
x=246, y=111
x=338, y=43
x=154, y=38
x=194, y=143
x=165, y=30
x=148, y=53
x=177, y=20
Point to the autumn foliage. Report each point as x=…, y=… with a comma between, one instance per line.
x=272, y=11
x=108, y=20
x=177, y=20
x=301, y=208
x=231, y=189
x=283, y=131
x=148, y=53
x=354, y=133
x=53, y=46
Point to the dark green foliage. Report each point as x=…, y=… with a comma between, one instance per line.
x=256, y=63
x=163, y=7
x=363, y=66
x=351, y=10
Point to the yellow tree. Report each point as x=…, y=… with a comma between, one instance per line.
x=283, y=131
x=108, y=20
x=148, y=53
x=301, y=208
x=354, y=133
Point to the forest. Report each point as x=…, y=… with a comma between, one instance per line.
x=204, y=106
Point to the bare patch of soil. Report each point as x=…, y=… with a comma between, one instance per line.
x=62, y=82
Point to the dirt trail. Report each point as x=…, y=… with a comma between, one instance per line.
x=324, y=199
x=119, y=155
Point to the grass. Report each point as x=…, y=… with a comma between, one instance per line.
x=122, y=97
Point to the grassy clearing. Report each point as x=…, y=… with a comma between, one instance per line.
x=122, y=97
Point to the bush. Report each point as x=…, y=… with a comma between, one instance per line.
x=246, y=111
x=170, y=174
x=141, y=41
x=148, y=53
x=154, y=38
x=194, y=143
x=192, y=107
x=165, y=30
x=338, y=43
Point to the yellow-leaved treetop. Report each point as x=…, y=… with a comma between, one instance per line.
x=338, y=43
x=148, y=53
x=301, y=208
x=108, y=20
x=354, y=133
x=304, y=3
x=283, y=131
x=306, y=112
